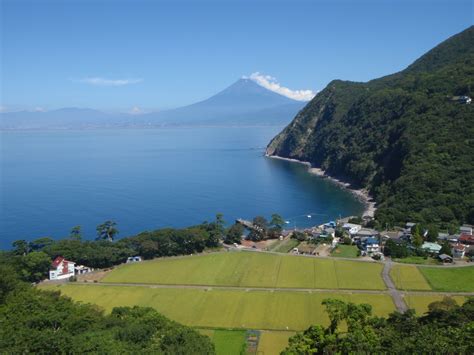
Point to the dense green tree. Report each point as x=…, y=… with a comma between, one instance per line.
x=216, y=231
x=300, y=236
x=396, y=250
x=445, y=329
x=40, y=243
x=416, y=238
x=107, y=231
x=402, y=136
x=9, y=280
x=433, y=233
x=21, y=247
x=276, y=226
x=446, y=249
x=44, y=322
x=76, y=233
x=34, y=266
x=234, y=234
x=259, y=230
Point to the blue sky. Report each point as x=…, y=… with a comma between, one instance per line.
x=115, y=55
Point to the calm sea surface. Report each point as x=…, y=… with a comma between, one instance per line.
x=51, y=181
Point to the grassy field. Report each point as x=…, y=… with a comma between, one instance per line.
x=277, y=310
x=408, y=277
x=454, y=279
x=345, y=251
x=272, y=343
x=450, y=279
x=420, y=302
x=285, y=246
x=229, y=342
x=252, y=269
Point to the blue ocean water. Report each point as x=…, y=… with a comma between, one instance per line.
x=145, y=179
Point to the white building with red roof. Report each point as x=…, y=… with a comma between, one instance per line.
x=61, y=269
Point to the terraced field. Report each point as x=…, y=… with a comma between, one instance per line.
x=253, y=269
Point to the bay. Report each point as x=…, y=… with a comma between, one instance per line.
x=145, y=179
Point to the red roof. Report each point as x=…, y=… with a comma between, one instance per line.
x=459, y=247
x=58, y=261
x=466, y=238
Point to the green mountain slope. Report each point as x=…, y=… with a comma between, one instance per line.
x=401, y=136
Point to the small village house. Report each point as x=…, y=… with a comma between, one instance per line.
x=458, y=250
x=351, y=228
x=61, y=269
x=370, y=245
x=445, y=258
x=134, y=259
x=465, y=228
x=467, y=239
x=81, y=269
x=367, y=233
x=433, y=248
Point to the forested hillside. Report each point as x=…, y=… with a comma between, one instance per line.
x=406, y=137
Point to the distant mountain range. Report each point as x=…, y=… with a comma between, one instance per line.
x=407, y=137
x=243, y=103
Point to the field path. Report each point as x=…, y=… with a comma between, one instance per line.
x=271, y=289
x=392, y=290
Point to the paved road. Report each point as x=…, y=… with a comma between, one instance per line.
x=392, y=290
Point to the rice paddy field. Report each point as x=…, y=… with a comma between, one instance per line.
x=217, y=308
x=408, y=277
x=273, y=342
x=446, y=279
x=252, y=269
x=450, y=279
x=267, y=298
x=228, y=341
x=420, y=302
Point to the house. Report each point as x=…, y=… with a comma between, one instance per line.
x=61, y=269
x=367, y=233
x=465, y=228
x=81, y=269
x=409, y=225
x=393, y=235
x=370, y=245
x=329, y=232
x=330, y=224
x=458, y=250
x=465, y=100
x=431, y=247
x=134, y=259
x=467, y=239
x=443, y=236
x=445, y=258
x=351, y=228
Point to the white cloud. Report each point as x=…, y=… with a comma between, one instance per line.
x=109, y=82
x=136, y=111
x=3, y=108
x=272, y=84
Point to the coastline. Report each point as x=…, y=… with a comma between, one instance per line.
x=361, y=194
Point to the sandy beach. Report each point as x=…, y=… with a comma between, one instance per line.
x=362, y=194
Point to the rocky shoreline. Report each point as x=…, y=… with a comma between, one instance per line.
x=361, y=194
